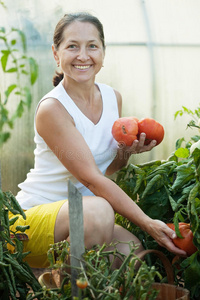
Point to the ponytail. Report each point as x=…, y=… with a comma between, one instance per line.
x=57, y=78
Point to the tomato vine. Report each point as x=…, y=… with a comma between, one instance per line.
x=21, y=71
x=168, y=190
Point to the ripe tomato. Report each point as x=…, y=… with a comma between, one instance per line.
x=153, y=130
x=125, y=130
x=185, y=243
x=81, y=283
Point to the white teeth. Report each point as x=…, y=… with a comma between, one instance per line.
x=82, y=67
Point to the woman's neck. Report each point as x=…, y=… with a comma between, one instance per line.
x=87, y=97
x=80, y=91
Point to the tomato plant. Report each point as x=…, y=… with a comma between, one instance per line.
x=153, y=130
x=16, y=276
x=98, y=279
x=185, y=242
x=125, y=130
x=168, y=190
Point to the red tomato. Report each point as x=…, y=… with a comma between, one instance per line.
x=81, y=283
x=185, y=243
x=125, y=130
x=153, y=130
x=121, y=290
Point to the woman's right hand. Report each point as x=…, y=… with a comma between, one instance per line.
x=164, y=236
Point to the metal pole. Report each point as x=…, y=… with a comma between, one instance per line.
x=152, y=65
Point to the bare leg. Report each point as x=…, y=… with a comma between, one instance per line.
x=98, y=222
x=99, y=228
x=123, y=235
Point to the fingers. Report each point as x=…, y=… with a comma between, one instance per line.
x=167, y=243
x=171, y=233
x=139, y=146
x=165, y=239
x=142, y=140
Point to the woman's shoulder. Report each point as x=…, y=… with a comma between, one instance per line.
x=119, y=101
x=109, y=89
x=111, y=93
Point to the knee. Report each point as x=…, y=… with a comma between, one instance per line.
x=99, y=220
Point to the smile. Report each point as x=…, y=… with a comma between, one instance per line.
x=82, y=67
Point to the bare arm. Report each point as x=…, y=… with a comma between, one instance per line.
x=58, y=130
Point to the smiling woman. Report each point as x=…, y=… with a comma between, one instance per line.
x=74, y=141
x=81, y=52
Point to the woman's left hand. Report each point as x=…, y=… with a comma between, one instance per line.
x=138, y=146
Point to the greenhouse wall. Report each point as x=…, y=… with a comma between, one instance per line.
x=152, y=59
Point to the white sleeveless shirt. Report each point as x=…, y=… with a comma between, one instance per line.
x=48, y=180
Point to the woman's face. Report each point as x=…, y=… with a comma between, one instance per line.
x=81, y=52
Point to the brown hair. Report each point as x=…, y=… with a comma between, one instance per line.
x=66, y=20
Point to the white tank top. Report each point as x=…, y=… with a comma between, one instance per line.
x=48, y=180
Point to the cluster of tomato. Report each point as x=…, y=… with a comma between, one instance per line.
x=127, y=129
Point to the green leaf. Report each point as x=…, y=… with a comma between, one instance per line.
x=178, y=113
x=192, y=271
x=4, y=59
x=173, y=203
x=196, y=157
x=182, y=152
x=185, y=173
x=13, y=42
x=176, y=219
x=24, y=72
x=11, y=70
x=28, y=96
x=3, y=38
x=187, y=110
x=22, y=228
x=13, y=220
x=154, y=184
x=20, y=109
x=33, y=70
x=179, y=142
x=4, y=136
x=197, y=111
x=9, y=91
x=156, y=205
x=140, y=178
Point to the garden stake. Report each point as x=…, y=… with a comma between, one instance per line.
x=76, y=233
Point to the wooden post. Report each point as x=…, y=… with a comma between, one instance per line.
x=76, y=233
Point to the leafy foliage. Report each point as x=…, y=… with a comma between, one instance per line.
x=103, y=282
x=169, y=191
x=194, y=114
x=16, y=277
x=22, y=73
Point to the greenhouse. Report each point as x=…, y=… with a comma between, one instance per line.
x=144, y=62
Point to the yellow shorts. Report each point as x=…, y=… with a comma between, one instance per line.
x=41, y=220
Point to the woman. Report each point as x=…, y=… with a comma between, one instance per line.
x=73, y=141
